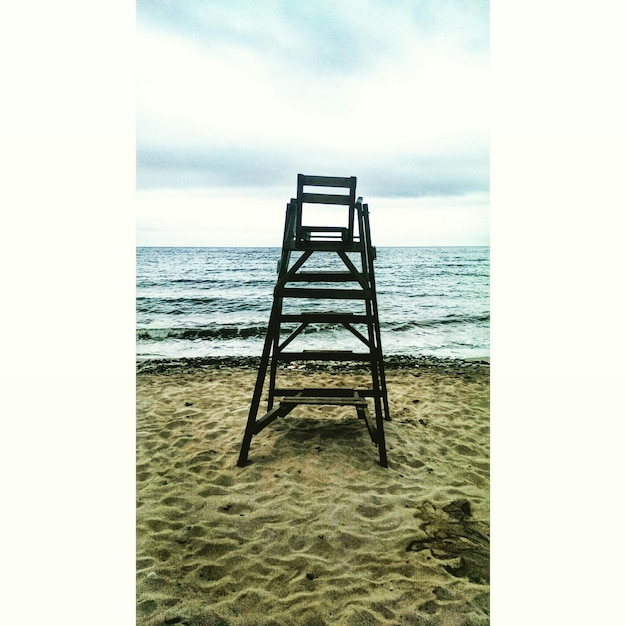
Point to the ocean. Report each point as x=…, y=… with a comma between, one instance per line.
x=209, y=302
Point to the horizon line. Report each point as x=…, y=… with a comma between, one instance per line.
x=277, y=246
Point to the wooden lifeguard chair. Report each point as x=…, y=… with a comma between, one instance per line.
x=308, y=240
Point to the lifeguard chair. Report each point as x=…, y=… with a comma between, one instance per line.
x=305, y=240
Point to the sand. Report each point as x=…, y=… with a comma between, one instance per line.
x=312, y=530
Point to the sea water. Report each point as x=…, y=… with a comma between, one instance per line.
x=202, y=302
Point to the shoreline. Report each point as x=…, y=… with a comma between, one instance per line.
x=392, y=362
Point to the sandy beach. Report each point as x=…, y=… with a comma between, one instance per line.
x=312, y=530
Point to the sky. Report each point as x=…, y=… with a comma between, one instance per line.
x=234, y=99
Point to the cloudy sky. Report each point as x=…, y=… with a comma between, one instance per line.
x=234, y=99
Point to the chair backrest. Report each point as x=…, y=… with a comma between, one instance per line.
x=309, y=231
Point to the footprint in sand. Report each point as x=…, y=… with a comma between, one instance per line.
x=235, y=509
x=210, y=572
x=464, y=450
x=158, y=524
x=369, y=512
x=212, y=490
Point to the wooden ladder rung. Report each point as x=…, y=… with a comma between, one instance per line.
x=335, y=294
x=325, y=277
x=330, y=318
x=325, y=355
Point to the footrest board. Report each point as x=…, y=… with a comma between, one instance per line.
x=337, y=401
